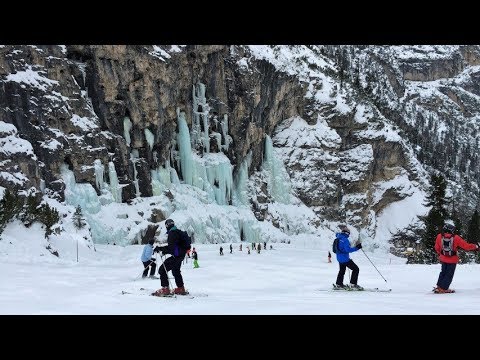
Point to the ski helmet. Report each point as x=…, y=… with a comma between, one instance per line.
x=449, y=228
x=344, y=229
x=169, y=223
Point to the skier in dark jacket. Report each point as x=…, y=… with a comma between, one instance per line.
x=173, y=262
x=344, y=261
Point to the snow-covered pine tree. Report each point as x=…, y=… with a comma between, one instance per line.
x=78, y=219
x=48, y=216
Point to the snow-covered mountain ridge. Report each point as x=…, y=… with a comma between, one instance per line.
x=240, y=142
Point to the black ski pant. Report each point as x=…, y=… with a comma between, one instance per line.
x=446, y=275
x=172, y=263
x=152, y=269
x=341, y=273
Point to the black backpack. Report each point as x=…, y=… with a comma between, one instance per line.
x=335, y=248
x=185, y=240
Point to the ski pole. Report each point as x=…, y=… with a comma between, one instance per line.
x=374, y=265
x=166, y=272
x=148, y=266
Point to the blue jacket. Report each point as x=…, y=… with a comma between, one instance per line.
x=147, y=253
x=344, y=248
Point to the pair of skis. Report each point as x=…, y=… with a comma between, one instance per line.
x=335, y=288
x=144, y=291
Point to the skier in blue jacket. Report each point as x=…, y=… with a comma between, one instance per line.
x=344, y=261
x=148, y=260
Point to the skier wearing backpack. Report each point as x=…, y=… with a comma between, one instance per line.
x=344, y=261
x=446, y=245
x=173, y=262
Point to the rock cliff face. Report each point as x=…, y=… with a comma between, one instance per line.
x=70, y=104
x=343, y=119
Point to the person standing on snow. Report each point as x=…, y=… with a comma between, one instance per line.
x=329, y=257
x=344, y=261
x=148, y=260
x=221, y=250
x=195, y=259
x=446, y=245
x=173, y=262
x=231, y=249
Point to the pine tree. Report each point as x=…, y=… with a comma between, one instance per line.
x=473, y=231
x=458, y=223
x=29, y=212
x=48, y=216
x=78, y=219
x=10, y=206
x=435, y=218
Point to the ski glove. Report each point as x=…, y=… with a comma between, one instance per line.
x=359, y=246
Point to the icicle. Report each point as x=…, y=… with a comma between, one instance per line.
x=200, y=113
x=161, y=178
x=279, y=185
x=99, y=171
x=127, y=125
x=42, y=186
x=184, y=148
x=114, y=185
x=227, y=138
x=218, y=139
x=241, y=179
x=150, y=138
x=79, y=194
x=134, y=159
x=219, y=176
x=195, y=121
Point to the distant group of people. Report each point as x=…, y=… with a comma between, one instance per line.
x=254, y=247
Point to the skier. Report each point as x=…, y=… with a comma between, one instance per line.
x=344, y=261
x=221, y=250
x=253, y=246
x=329, y=257
x=148, y=260
x=195, y=259
x=259, y=247
x=173, y=262
x=248, y=249
x=240, y=248
x=231, y=249
x=265, y=245
x=446, y=246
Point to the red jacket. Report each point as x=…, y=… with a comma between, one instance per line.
x=458, y=242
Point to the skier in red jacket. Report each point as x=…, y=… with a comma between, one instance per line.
x=446, y=246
